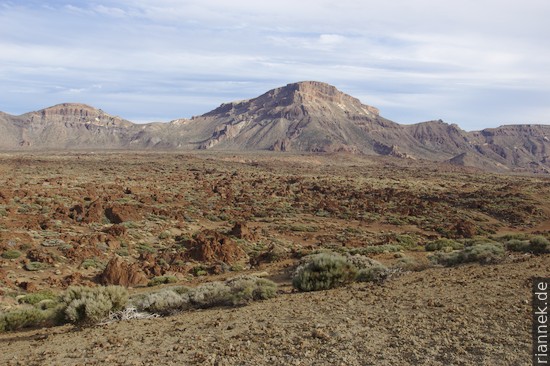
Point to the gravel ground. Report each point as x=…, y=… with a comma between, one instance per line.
x=466, y=315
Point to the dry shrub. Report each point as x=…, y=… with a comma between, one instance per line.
x=323, y=271
x=85, y=305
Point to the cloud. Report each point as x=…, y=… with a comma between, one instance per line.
x=416, y=60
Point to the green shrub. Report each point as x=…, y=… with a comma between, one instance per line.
x=27, y=317
x=323, y=271
x=92, y=262
x=199, y=270
x=248, y=288
x=162, y=280
x=85, y=305
x=483, y=253
x=11, y=254
x=516, y=245
x=539, y=245
x=35, y=266
x=37, y=297
x=442, y=244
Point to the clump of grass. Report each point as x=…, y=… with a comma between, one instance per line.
x=323, y=271
x=35, y=266
x=11, y=254
x=483, y=253
x=162, y=280
x=37, y=297
x=85, y=305
x=443, y=244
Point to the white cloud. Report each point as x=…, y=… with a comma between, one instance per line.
x=416, y=59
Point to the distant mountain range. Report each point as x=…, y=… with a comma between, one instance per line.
x=302, y=117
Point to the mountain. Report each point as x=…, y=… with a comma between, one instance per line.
x=64, y=126
x=307, y=116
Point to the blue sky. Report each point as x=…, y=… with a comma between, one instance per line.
x=477, y=63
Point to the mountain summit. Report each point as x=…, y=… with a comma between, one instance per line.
x=308, y=116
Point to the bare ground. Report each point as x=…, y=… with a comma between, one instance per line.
x=466, y=315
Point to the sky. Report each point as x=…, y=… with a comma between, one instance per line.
x=478, y=64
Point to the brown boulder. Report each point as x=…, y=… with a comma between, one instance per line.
x=118, y=214
x=5, y=196
x=115, y=230
x=210, y=246
x=242, y=231
x=119, y=272
x=465, y=229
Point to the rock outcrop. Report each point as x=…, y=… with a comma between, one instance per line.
x=119, y=272
x=210, y=246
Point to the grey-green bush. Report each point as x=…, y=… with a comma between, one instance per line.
x=236, y=291
x=165, y=302
x=443, y=244
x=537, y=245
x=482, y=253
x=248, y=288
x=85, y=305
x=376, y=273
x=323, y=271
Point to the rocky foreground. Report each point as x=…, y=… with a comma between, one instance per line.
x=466, y=315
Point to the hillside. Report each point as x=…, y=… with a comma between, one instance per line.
x=301, y=117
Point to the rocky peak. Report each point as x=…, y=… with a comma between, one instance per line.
x=315, y=92
x=75, y=113
x=71, y=110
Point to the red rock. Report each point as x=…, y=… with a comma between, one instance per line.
x=242, y=231
x=119, y=272
x=210, y=246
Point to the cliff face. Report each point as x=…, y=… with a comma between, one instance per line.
x=307, y=116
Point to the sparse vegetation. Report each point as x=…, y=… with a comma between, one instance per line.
x=483, y=253
x=443, y=244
